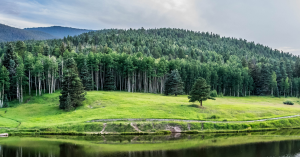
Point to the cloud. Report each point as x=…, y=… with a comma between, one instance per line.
x=290, y=50
x=9, y=7
x=274, y=23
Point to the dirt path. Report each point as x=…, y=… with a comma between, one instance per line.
x=135, y=127
x=104, y=126
x=199, y=121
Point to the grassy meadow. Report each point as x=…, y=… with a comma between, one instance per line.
x=42, y=112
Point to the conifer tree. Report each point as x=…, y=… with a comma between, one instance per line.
x=109, y=81
x=10, y=63
x=68, y=103
x=174, y=85
x=62, y=49
x=85, y=76
x=71, y=86
x=20, y=48
x=46, y=50
x=265, y=79
x=200, y=91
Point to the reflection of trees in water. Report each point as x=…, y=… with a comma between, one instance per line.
x=283, y=148
x=70, y=150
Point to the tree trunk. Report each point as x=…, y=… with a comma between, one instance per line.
x=35, y=86
x=29, y=84
x=161, y=85
x=128, y=83
x=238, y=91
x=21, y=91
x=201, y=103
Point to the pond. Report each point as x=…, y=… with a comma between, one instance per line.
x=267, y=144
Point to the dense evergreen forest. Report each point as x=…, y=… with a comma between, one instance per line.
x=141, y=60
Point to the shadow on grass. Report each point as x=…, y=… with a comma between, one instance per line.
x=194, y=105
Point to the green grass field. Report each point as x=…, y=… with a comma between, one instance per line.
x=42, y=112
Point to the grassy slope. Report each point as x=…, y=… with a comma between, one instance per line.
x=43, y=111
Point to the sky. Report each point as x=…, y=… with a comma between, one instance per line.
x=274, y=23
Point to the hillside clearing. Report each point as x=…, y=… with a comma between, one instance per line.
x=43, y=111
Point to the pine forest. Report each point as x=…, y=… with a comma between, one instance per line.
x=142, y=60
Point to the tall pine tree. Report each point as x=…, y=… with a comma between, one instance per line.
x=109, y=80
x=200, y=91
x=71, y=87
x=174, y=85
x=85, y=76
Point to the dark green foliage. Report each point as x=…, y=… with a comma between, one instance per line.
x=109, y=80
x=85, y=76
x=265, y=81
x=214, y=93
x=200, y=91
x=71, y=86
x=288, y=103
x=68, y=103
x=10, y=63
x=140, y=60
x=174, y=85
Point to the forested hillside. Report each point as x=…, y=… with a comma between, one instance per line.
x=8, y=33
x=140, y=61
x=60, y=32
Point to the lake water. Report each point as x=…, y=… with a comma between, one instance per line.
x=268, y=144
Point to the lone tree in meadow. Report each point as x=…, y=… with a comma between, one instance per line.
x=174, y=85
x=72, y=89
x=200, y=91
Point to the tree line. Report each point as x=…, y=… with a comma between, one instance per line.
x=141, y=61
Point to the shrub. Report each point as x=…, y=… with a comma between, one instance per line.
x=288, y=103
x=214, y=117
x=221, y=95
x=213, y=93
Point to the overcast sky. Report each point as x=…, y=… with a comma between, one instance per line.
x=275, y=23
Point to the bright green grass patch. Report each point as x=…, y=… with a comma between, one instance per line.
x=43, y=112
x=5, y=122
x=119, y=127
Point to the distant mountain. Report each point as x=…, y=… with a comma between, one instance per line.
x=59, y=31
x=8, y=33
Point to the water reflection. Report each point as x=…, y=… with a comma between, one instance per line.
x=44, y=148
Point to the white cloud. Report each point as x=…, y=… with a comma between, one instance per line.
x=273, y=23
x=19, y=23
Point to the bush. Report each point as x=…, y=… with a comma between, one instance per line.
x=221, y=95
x=213, y=117
x=214, y=93
x=288, y=103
